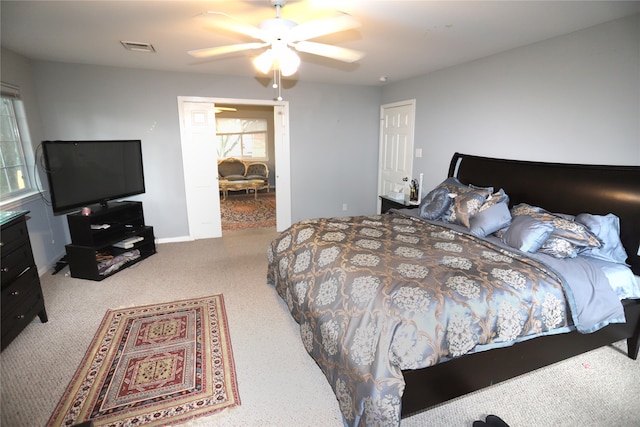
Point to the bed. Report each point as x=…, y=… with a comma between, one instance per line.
x=407, y=310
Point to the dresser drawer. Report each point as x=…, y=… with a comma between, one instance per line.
x=13, y=236
x=16, y=318
x=19, y=289
x=15, y=263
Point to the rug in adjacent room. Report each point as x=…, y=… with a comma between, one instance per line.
x=154, y=365
x=242, y=210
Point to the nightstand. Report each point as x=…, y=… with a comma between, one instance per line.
x=388, y=203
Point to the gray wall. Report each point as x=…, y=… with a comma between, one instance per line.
x=48, y=234
x=333, y=132
x=574, y=99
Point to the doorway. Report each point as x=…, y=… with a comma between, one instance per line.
x=200, y=162
x=245, y=146
x=396, y=147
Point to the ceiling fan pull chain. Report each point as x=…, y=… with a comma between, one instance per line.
x=279, y=83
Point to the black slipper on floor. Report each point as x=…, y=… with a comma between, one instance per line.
x=495, y=421
x=479, y=424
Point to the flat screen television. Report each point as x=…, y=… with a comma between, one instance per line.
x=82, y=173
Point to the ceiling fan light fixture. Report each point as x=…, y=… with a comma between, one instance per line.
x=264, y=61
x=288, y=62
x=280, y=57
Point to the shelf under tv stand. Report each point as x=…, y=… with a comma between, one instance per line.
x=95, y=253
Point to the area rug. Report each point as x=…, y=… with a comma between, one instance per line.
x=154, y=365
x=241, y=211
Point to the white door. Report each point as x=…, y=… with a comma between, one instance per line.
x=199, y=158
x=283, y=166
x=200, y=163
x=396, y=146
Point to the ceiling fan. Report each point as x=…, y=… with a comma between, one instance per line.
x=282, y=37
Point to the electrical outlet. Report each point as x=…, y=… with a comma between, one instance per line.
x=344, y=206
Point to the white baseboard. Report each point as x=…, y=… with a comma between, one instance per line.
x=175, y=239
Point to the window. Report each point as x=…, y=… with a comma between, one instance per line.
x=242, y=138
x=15, y=147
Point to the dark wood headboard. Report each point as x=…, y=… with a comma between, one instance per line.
x=563, y=188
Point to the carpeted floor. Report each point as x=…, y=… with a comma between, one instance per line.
x=241, y=210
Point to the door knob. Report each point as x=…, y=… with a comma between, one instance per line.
x=405, y=179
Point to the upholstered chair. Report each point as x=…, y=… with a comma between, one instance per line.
x=258, y=170
x=231, y=169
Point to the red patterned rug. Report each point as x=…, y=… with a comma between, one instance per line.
x=154, y=365
x=242, y=210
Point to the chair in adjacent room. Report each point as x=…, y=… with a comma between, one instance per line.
x=258, y=170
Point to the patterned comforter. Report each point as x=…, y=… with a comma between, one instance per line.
x=378, y=294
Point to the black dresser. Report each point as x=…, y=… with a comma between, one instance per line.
x=22, y=296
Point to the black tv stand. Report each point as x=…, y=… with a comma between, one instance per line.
x=108, y=240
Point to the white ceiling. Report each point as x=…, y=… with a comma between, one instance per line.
x=401, y=39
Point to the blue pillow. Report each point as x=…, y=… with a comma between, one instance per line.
x=435, y=204
x=527, y=234
x=607, y=229
x=490, y=220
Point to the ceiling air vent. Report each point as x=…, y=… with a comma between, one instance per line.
x=138, y=46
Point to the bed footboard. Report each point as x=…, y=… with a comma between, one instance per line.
x=431, y=386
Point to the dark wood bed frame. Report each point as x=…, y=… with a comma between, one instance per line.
x=557, y=187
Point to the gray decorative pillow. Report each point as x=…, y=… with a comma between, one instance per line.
x=465, y=206
x=526, y=233
x=466, y=203
x=525, y=209
x=453, y=184
x=574, y=232
x=563, y=225
x=435, y=204
x=559, y=248
x=498, y=197
x=490, y=220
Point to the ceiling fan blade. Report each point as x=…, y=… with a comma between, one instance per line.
x=330, y=51
x=237, y=26
x=223, y=50
x=321, y=27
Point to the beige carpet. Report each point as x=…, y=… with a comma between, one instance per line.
x=279, y=383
